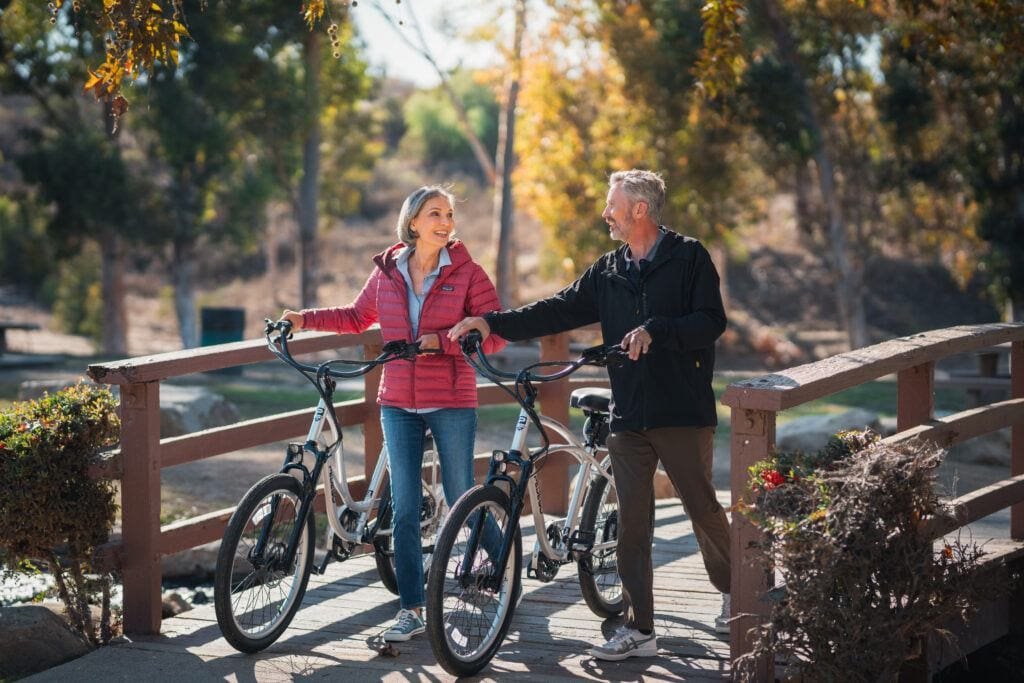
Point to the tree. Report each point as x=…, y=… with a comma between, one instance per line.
x=630, y=101
x=78, y=167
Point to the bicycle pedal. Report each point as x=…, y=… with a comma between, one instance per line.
x=582, y=540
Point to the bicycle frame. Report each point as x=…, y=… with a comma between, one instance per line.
x=333, y=456
x=590, y=468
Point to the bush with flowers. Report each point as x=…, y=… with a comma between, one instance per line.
x=52, y=513
x=862, y=588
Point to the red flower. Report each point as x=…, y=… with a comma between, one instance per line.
x=772, y=479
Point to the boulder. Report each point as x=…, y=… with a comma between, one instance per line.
x=991, y=449
x=811, y=433
x=36, y=638
x=194, y=563
x=186, y=409
x=183, y=408
x=173, y=605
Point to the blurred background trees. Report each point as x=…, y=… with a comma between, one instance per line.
x=243, y=136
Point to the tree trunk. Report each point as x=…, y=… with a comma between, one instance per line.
x=183, y=277
x=114, y=340
x=503, y=222
x=849, y=300
x=309, y=185
x=115, y=324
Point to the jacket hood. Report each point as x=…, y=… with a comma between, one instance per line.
x=388, y=259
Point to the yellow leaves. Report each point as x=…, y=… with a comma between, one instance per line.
x=721, y=63
x=313, y=12
x=140, y=35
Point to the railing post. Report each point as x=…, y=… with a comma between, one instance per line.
x=753, y=438
x=1017, y=436
x=140, y=506
x=554, y=399
x=915, y=395
x=373, y=435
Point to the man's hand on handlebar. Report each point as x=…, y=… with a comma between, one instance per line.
x=467, y=324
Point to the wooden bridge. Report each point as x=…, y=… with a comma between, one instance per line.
x=755, y=404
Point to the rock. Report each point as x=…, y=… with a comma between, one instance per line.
x=988, y=449
x=174, y=605
x=663, y=487
x=195, y=563
x=183, y=409
x=810, y=434
x=34, y=639
x=186, y=409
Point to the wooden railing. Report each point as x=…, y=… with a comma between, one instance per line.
x=756, y=402
x=143, y=453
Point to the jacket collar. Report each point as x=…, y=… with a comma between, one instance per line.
x=670, y=241
x=387, y=260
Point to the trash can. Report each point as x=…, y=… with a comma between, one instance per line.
x=222, y=325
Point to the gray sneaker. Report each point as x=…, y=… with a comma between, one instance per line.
x=722, y=621
x=625, y=643
x=407, y=624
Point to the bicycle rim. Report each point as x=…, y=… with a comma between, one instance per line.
x=466, y=618
x=257, y=592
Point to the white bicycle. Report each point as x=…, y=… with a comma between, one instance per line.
x=266, y=555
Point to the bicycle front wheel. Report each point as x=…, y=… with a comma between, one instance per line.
x=470, y=602
x=598, y=572
x=257, y=589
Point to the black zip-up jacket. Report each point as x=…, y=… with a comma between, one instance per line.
x=676, y=297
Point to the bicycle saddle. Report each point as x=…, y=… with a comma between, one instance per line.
x=591, y=399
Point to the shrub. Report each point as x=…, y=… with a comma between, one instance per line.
x=52, y=514
x=842, y=528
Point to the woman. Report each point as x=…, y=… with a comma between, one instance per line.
x=418, y=290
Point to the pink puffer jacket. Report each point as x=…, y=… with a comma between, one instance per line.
x=441, y=380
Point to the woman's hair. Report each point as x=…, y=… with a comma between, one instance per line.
x=642, y=186
x=411, y=208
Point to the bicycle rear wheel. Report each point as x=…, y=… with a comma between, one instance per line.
x=256, y=591
x=468, y=613
x=598, y=572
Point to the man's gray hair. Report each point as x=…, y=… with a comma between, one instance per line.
x=411, y=208
x=642, y=186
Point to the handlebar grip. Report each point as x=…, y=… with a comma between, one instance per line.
x=471, y=341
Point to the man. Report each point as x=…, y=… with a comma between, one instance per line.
x=658, y=296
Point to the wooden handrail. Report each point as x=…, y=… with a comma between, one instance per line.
x=795, y=386
x=143, y=454
x=755, y=403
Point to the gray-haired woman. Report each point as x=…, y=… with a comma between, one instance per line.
x=419, y=288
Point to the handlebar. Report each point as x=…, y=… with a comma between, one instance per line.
x=601, y=355
x=393, y=350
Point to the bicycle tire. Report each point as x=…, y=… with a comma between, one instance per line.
x=254, y=609
x=602, y=590
x=451, y=626
x=383, y=555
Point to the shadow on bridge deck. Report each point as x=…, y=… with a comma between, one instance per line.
x=336, y=632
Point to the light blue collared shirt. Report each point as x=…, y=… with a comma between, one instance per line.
x=416, y=302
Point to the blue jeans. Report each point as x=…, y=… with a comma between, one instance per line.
x=454, y=431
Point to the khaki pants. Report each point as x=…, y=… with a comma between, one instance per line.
x=686, y=454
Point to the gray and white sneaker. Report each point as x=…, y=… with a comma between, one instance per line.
x=722, y=624
x=407, y=624
x=627, y=642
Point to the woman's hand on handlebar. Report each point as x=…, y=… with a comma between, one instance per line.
x=466, y=325
x=429, y=343
x=294, y=318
